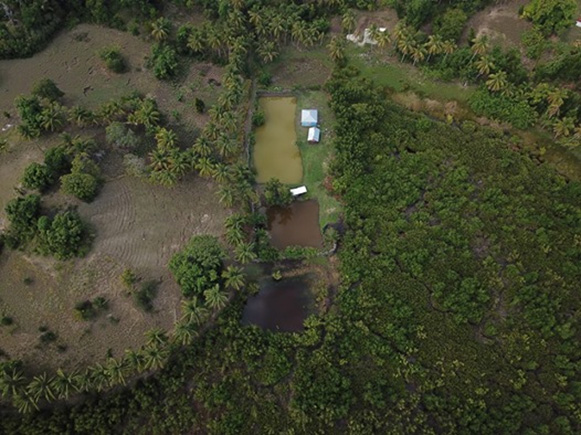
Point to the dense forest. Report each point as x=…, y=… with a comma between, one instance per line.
x=459, y=255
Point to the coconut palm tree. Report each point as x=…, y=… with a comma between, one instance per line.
x=193, y=311
x=299, y=31
x=185, y=333
x=556, y=98
x=221, y=172
x=418, y=54
x=215, y=298
x=83, y=381
x=383, y=39
x=11, y=379
x=484, y=65
x=146, y=115
x=134, y=360
x=434, y=45
x=448, y=47
x=51, y=117
x=156, y=336
x=202, y=147
x=497, y=81
x=480, y=46
x=81, y=116
x=24, y=402
x=98, y=376
x=165, y=138
x=196, y=41
x=336, y=49
x=226, y=195
x=160, y=29
x=234, y=236
x=244, y=253
x=155, y=357
x=348, y=21
x=406, y=46
x=41, y=387
x=233, y=277
x=204, y=166
x=267, y=51
x=255, y=17
x=563, y=127
x=64, y=384
x=116, y=371
x=226, y=147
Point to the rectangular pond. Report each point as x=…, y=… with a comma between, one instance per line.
x=279, y=305
x=275, y=153
x=296, y=225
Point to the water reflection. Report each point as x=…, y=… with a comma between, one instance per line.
x=297, y=225
x=280, y=306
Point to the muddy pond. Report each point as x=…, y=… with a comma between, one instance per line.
x=280, y=305
x=275, y=153
x=297, y=225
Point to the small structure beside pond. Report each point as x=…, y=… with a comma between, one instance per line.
x=309, y=117
x=314, y=135
x=578, y=23
x=297, y=191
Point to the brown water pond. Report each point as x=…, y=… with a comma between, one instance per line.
x=297, y=225
x=280, y=305
x=275, y=153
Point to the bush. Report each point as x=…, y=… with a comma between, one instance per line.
x=276, y=193
x=64, y=237
x=503, y=108
x=534, y=42
x=163, y=61
x=450, y=25
x=23, y=214
x=258, y=118
x=200, y=105
x=121, y=136
x=37, y=176
x=81, y=185
x=46, y=88
x=6, y=321
x=114, y=60
x=85, y=310
x=145, y=295
x=551, y=16
x=128, y=278
x=48, y=337
x=57, y=161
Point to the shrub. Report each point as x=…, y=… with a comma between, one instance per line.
x=64, y=237
x=501, y=107
x=163, y=61
x=145, y=295
x=37, y=176
x=551, y=16
x=48, y=337
x=450, y=25
x=81, y=185
x=121, y=136
x=85, y=310
x=128, y=278
x=46, y=88
x=258, y=118
x=276, y=193
x=200, y=105
x=114, y=60
x=23, y=214
x=57, y=161
x=6, y=321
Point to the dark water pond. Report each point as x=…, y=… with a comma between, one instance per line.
x=279, y=306
x=297, y=225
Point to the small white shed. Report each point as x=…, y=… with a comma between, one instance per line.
x=297, y=191
x=309, y=117
x=314, y=135
x=578, y=23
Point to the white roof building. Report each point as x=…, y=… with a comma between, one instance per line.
x=578, y=23
x=309, y=117
x=314, y=135
x=298, y=190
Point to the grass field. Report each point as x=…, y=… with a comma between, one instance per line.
x=137, y=225
x=316, y=157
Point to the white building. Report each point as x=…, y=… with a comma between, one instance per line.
x=314, y=135
x=297, y=191
x=309, y=117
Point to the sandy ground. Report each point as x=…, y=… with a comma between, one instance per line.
x=137, y=225
x=501, y=23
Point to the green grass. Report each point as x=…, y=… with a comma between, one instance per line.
x=402, y=76
x=316, y=157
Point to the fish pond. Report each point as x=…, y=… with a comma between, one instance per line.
x=296, y=225
x=275, y=153
x=280, y=305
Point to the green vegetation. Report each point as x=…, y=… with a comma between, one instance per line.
x=113, y=59
x=276, y=193
x=457, y=307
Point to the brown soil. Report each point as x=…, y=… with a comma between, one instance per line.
x=71, y=60
x=501, y=23
x=137, y=225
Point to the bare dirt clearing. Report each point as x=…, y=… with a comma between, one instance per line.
x=501, y=23
x=137, y=225
x=71, y=60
